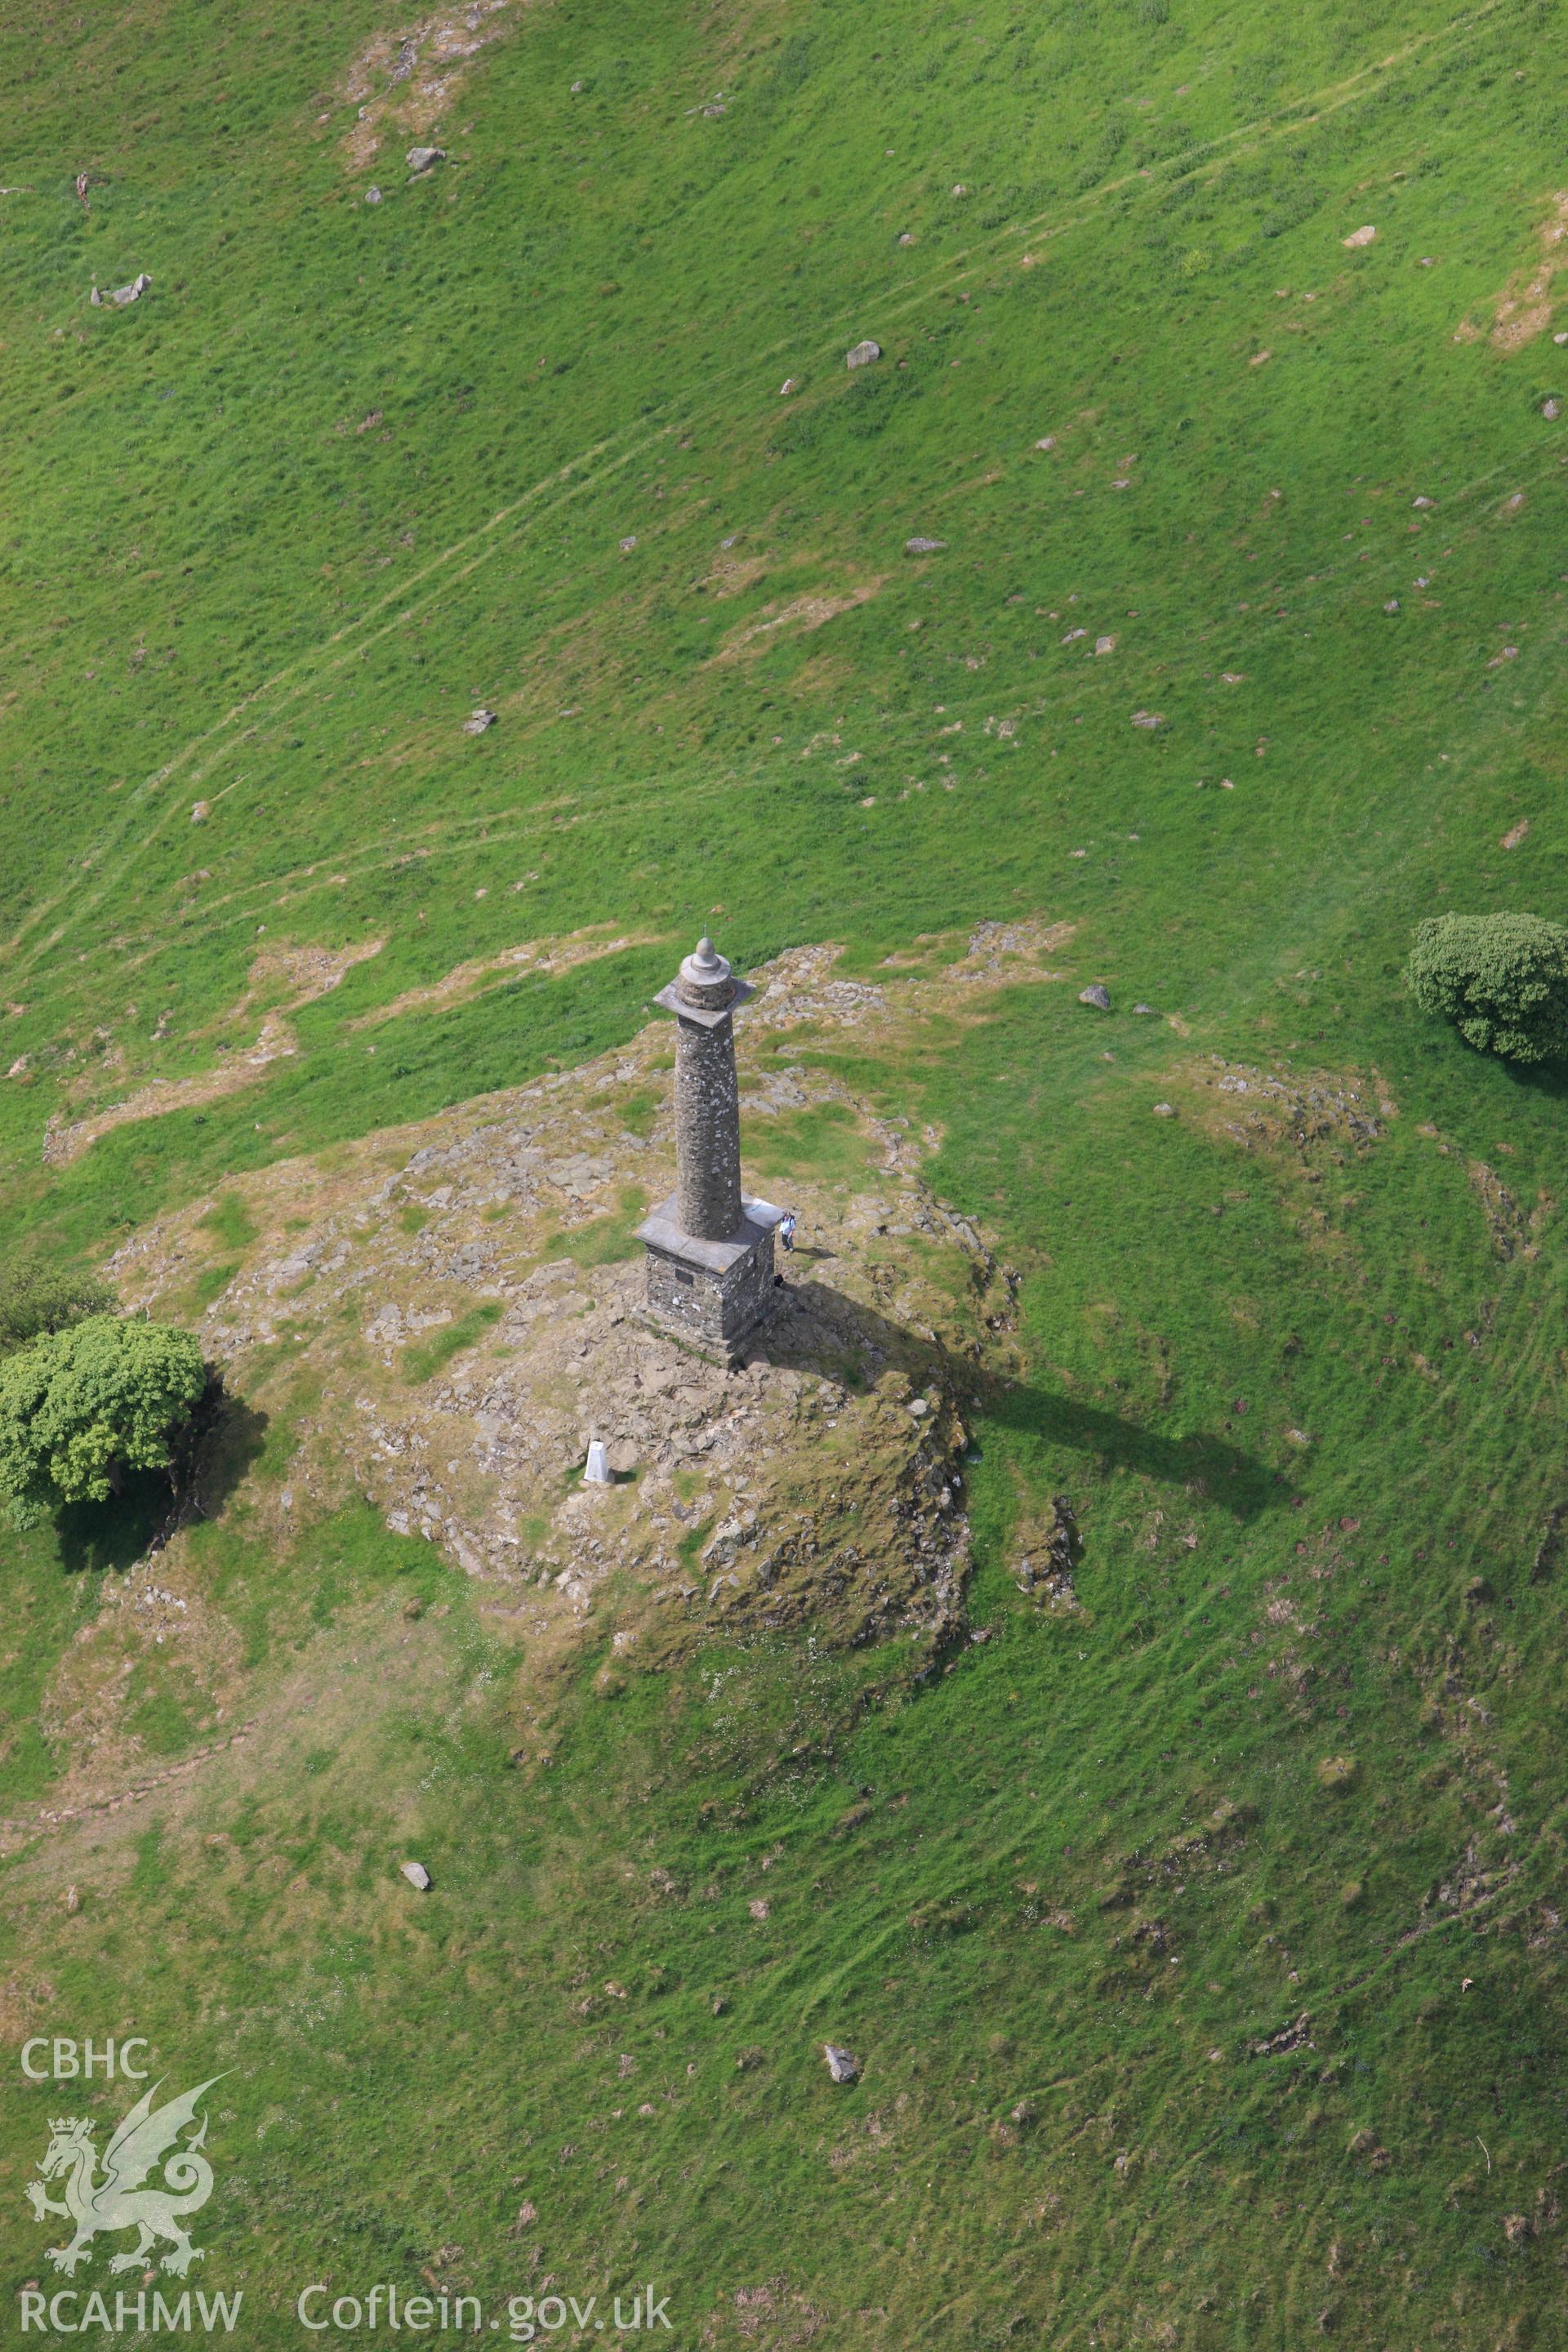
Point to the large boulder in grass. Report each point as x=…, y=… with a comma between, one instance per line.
x=1502, y=980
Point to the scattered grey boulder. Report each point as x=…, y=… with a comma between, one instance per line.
x=121, y=295
x=1551, y=408
x=724, y=1544
x=1143, y=1008
x=418, y=1875
x=200, y=812
x=1095, y=994
x=1391, y=606
x=479, y=723
x=372, y=195
x=863, y=354
x=424, y=159
x=1150, y=719
x=1423, y=501
x=919, y=545
x=1164, y=1110
x=842, y=2064
x=906, y=238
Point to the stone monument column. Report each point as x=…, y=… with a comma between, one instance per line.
x=707, y=1095
x=709, y=1248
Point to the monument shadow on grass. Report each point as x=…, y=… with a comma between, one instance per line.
x=819, y=1329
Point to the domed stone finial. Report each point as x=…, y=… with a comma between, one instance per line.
x=705, y=978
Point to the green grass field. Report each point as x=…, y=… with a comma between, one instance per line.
x=513, y=436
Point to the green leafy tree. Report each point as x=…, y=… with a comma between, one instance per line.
x=1502, y=980
x=36, y=1296
x=80, y=1408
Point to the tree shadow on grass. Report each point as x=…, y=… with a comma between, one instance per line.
x=1548, y=1078
x=228, y=1435
x=818, y=1328
x=223, y=1438
x=116, y=1533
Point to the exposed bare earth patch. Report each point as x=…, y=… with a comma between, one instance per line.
x=402, y=82
x=802, y=612
x=1515, y=1232
x=735, y=573
x=1524, y=308
x=1280, y=1106
x=543, y=956
x=306, y=973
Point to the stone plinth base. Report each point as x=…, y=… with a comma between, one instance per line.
x=713, y=1295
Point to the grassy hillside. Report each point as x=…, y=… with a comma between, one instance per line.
x=513, y=436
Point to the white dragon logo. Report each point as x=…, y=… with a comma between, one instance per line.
x=118, y=2202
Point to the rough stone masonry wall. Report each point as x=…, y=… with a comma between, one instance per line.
x=715, y=1310
x=686, y=1299
x=707, y=1131
x=749, y=1288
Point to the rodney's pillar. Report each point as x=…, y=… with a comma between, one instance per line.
x=710, y=1249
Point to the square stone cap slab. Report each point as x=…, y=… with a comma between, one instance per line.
x=661, y=1230
x=704, y=1014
